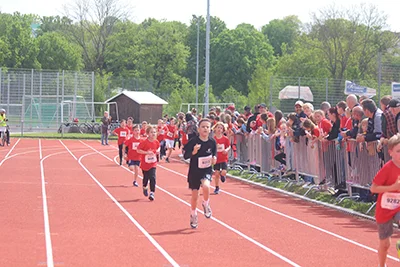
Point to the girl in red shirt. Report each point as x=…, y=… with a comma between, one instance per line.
x=162, y=131
x=149, y=148
x=132, y=156
x=143, y=129
x=223, y=147
x=122, y=132
x=170, y=137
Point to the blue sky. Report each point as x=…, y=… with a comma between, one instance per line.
x=233, y=12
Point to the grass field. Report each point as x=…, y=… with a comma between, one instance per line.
x=59, y=136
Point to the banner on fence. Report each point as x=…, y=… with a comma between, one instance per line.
x=353, y=88
x=395, y=89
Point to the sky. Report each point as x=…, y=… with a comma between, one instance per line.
x=232, y=12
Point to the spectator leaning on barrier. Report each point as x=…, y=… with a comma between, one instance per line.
x=351, y=101
x=252, y=118
x=325, y=106
x=388, y=121
x=357, y=115
x=247, y=112
x=298, y=107
x=394, y=106
x=308, y=109
x=374, y=116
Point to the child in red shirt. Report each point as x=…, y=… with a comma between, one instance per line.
x=387, y=184
x=223, y=147
x=170, y=137
x=162, y=131
x=149, y=148
x=143, y=129
x=123, y=133
x=132, y=156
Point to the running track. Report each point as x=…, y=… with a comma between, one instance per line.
x=68, y=203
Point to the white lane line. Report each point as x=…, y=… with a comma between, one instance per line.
x=40, y=149
x=292, y=218
x=68, y=150
x=136, y=223
x=216, y=220
x=9, y=152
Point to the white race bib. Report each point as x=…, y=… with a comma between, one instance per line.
x=122, y=134
x=170, y=134
x=135, y=146
x=220, y=147
x=390, y=201
x=205, y=162
x=150, y=158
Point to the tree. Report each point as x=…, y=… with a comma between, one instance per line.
x=56, y=52
x=349, y=40
x=231, y=95
x=259, y=86
x=95, y=23
x=53, y=24
x=20, y=48
x=282, y=31
x=235, y=55
x=217, y=26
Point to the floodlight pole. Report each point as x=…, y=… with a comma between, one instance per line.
x=197, y=61
x=206, y=93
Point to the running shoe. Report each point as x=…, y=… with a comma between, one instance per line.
x=223, y=178
x=207, y=210
x=216, y=191
x=167, y=160
x=193, y=221
x=151, y=197
x=135, y=184
x=145, y=193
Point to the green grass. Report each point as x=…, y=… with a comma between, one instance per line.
x=52, y=135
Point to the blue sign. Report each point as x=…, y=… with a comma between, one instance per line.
x=353, y=88
x=395, y=87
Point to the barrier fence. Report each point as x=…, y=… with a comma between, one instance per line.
x=348, y=165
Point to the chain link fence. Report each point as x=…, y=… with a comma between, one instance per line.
x=33, y=98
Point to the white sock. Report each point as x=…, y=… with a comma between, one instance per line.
x=206, y=201
x=193, y=212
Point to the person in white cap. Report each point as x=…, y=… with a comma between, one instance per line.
x=298, y=107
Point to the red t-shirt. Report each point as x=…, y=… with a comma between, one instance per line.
x=170, y=134
x=184, y=137
x=259, y=123
x=123, y=134
x=325, y=126
x=161, y=133
x=349, y=124
x=147, y=162
x=343, y=121
x=133, y=144
x=222, y=144
x=386, y=206
x=143, y=132
x=316, y=132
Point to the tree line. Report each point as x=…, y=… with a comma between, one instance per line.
x=98, y=36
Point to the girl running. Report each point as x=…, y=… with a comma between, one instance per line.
x=133, y=157
x=149, y=149
x=143, y=129
x=223, y=147
x=202, y=151
x=122, y=132
x=170, y=137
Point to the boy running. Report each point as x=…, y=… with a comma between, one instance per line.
x=223, y=147
x=149, y=149
x=123, y=133
x=133, y=157
x=170, y=137
x=387, y=184
x=202, y=151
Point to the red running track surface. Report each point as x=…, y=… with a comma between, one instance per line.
x=97, y=218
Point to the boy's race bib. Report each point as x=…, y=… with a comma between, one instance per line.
x=135, y=146
x=204, y=162
x=170, y=134
x=390, y=201
x=150, y=158
x=122, y=134
x=220, y=147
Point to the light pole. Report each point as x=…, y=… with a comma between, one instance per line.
x=206, y=96
x=197, y=60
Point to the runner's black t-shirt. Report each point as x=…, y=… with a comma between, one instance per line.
x=201, y=163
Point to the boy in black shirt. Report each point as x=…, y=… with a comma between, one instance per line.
x=202, y=151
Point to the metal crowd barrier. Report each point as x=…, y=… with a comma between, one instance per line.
x=340, y=165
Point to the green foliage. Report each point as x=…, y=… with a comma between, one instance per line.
x=282, y=32
x=56, y=52
x=18, y=48
x=231, y=95
x=236, y=54
x=259, y=86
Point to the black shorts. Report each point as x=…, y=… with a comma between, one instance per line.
x=220, y=166
x=134, y=163
x=195, y=180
